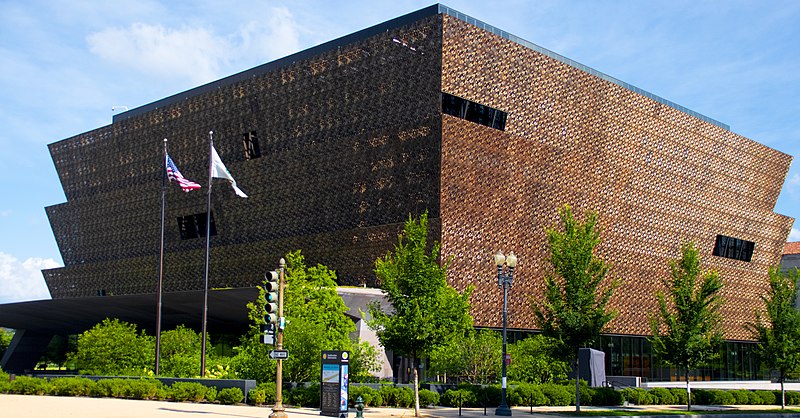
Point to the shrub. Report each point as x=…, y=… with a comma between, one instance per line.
x=637, y=396
x=402, y=397
x=71, y=386
x=767, y=397
x=142, y=388
x=459, y=397
x=712, y=397
x=428, y=398
x=305, y=396
x=526, y=394
x=211, y=394
x=366, y=393
x=606, y=397
x=269, y=392
x=753, y=398
x=488, y=395
x=558, y=395
x=256, y=396
x=680, y=395
x=108, y=388
x=740, y=397
x=188, y=391
x=792, y=397
x=24, y=385
x=230, y=396
x=662, y=396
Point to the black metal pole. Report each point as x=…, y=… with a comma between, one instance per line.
x=503, y=409
x=161, y=258
x=208, y=246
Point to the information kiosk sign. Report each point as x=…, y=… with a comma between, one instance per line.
x=335, y=383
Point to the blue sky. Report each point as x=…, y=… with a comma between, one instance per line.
x=64, y=64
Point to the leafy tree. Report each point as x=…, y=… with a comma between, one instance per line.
x=574, y=310
x=113, y=347
x=180, y=352
x=686, y=331
x=472, y=358
x=534, y=360
x=778, y=329
x=5, y=339
x=315, y=321
x=365, y=361
x=427, y=312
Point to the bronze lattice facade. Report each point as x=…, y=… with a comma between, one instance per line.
x=352, y=138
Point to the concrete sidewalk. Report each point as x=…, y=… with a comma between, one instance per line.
x=28, y=406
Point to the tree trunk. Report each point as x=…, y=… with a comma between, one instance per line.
x=783, y=394
x=577, y=380
x=688, y=392
x=416, y=387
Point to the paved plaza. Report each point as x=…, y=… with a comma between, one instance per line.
x=18, y=406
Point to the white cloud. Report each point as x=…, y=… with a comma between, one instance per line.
x=22, y=280
x=196, y=53
x=794, y=235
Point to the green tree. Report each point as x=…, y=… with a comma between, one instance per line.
x=534, y=360
x=427, y=312
x=5, y=339
x=686, y=331
x=180, y=352
x=574, y=310
x=472, y=358
x=778, y=329
x=365, y=361
x=114, y=348
x=315, y=321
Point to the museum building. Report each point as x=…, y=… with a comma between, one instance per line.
x=433, y=111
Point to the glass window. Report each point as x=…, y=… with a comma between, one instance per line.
x=473, y=112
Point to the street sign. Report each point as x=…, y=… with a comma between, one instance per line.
x=279, y=354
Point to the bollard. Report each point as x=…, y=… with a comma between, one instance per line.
x=359, y=407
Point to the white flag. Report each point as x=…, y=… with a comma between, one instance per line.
x=219, y=171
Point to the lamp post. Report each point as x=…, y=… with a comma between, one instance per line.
x=504, y=264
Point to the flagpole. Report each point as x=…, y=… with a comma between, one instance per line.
x=208, y=246
x=161, y=256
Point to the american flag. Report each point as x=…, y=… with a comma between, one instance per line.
x=174, y=174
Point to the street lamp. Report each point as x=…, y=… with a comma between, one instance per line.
x=504, y=280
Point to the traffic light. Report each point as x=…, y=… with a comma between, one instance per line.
x=271, y=285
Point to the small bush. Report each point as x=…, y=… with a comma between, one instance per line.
x=712, y=397
x=680, y=395
x=230, y=396
x=143, y=388
x=402, y=397
x=366, y=393
x=256, y=396
x=428, y=398
x=662, y=396
x=767, y=397
x=526, y=394
x=558, y=395
x=211, y=394
x=740, y=397
x=753, y=398
x=25, y=385
x=188, y=391
x=488, y=395
x=606, y=397
x=269, y=391
x=637, y=396
x=792, y=397
x=307, y=396
x=459, y=397
x=71, y=386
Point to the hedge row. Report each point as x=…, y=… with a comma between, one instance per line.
x=465, y=395
x=120, y=388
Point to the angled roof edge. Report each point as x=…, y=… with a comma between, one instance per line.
x=390, y=24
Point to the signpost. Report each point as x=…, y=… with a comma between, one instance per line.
x=335, y=383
